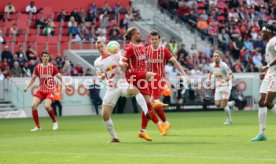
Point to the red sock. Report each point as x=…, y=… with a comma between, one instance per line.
x=35, y=117
x=160, y=112
x=52, y=115
x=144, y=121
x=154, y=117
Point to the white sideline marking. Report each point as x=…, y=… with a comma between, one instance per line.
x=145, y=155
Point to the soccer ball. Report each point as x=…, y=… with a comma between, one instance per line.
x=113, y=47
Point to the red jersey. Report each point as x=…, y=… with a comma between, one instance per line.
x=46, y=77
x=136, y=58
x=157, y=59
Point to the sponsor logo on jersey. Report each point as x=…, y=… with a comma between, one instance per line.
x=155, y=60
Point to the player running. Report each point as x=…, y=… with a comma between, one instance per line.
x=108, y=66
x=134, y=56
x=223, y=76
x=157, y=57
x=45, y=72
x=268, y=86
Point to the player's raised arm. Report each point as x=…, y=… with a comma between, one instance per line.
x=178, y=66
x=58, y=75
x=30, y=83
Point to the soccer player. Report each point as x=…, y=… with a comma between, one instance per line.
x=134, y=56
x=223, y=75
x=157, y=57
x=268, y=77
x=108, y=66
x=45, y=72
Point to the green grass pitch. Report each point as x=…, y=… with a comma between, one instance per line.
x=195, y=137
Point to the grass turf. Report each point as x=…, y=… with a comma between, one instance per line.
x=198, y=137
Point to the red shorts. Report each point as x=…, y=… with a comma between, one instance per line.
x=138, y=79
x=156, y=91
x=44, y=95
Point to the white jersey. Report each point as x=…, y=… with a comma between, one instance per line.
x=220, y=73
x=109, y=65
x=270, y=55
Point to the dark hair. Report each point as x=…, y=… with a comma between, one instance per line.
x=130, y=32
x=45, y=52
x=271, y=28
x=155, y=33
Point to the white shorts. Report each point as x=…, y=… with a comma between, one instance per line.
x=112, y=94
x=222, y=93
x=268, y=84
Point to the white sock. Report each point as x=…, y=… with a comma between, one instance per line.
x=156, y=100
x=142, y=102
x=273, y=109
x=262, y=119
x=166, y=122
x=109, y=126
x=230, y=103
x=228, y=113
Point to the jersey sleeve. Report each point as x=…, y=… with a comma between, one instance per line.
x=226, y=69
x=168, y=55
x=274, y=45
x=55, y=71
x=98, y=68
x=128, y=52
x=36, y=73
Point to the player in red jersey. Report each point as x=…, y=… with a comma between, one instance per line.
x=45, y=72
x=136, y=74
x=157, y=57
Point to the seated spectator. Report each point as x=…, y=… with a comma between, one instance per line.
x=224, y=40
x=2, y=39
x=114, y=28
x=202, y=25
x=4, y=66
x=238, y=97
x=40, y=23
x=102, y=29
x=88, y=72
x=106, y=7
x=234, y=31
x=16, y=70
x=83, y=34
x=183, y=12
x=233, y=17
x=40, y=13
x=92, y=36
x=59, y=61
x=124, y=21
x=101, y=36
x=83, y=15
x=91, y=17
x=63, y=16
x=48, y=29
x=67, y=66
x=251, y=68
x=15, y=30
x=93, y=9
x=248, y=44
x=31, y=8
x=134, y=14
x=26, y=71
x=6, y=54
x=182, y=53
x=173, y=47
x=257, y=60
x=106, y=22
x=31, y=54
x=238, y=46
x=259, y=44
x=102, y=16
x=21, y=54
x=76, y=15
x=9, y=8
x=213, y=31
x=73, y=28
x=115, y=36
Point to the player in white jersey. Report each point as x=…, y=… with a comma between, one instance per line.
x=223, y=76
x=109, y=66
x=268, y=77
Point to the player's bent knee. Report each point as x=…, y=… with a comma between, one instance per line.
x=34, y=106
x=261, y=103
x=106, y=116
x=47, y=107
